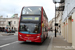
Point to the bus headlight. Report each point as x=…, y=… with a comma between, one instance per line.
x=20, y=35
x=38, y=36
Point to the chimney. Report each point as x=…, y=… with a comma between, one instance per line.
x=1, y=16
x=15, y=15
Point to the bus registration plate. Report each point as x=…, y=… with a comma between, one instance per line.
x=28, y=40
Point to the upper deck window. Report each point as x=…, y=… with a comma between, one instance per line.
x=31, y=10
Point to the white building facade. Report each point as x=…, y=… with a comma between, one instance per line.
x=68, y=22
x=69, y=9
x=10, y=23
x=14, y=23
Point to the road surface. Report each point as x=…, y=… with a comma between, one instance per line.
x=11, y=43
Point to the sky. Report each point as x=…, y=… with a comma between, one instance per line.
x=10, y=7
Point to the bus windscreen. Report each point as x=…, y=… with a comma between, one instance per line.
x=30, y=28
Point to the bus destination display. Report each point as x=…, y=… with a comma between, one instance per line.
x=30, y=18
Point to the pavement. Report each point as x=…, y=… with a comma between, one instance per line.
x=7, y=34
x=59, y=43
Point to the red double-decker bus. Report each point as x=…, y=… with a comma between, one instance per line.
x=33, y=24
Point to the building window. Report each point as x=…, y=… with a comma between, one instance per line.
x=1, y=22
x=9, y=23
x=14, y=22
x=12, y=27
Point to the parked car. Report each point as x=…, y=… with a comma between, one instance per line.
x=11, y=31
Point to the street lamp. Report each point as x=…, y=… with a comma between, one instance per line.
x=56, y=1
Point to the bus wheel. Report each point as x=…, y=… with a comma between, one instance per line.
x=42, y=40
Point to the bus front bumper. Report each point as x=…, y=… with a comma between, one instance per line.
x=27, y=39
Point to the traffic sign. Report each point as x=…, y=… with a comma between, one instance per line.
x=56, y=24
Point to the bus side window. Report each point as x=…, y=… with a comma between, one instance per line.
x=45, y=29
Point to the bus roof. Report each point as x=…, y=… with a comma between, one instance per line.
x=32, y=6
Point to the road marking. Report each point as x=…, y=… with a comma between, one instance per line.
x=8, y=44
x=15, y=33
x=50, y=45
x=9, y=38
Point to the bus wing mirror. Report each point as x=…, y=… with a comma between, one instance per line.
x=42, y=24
